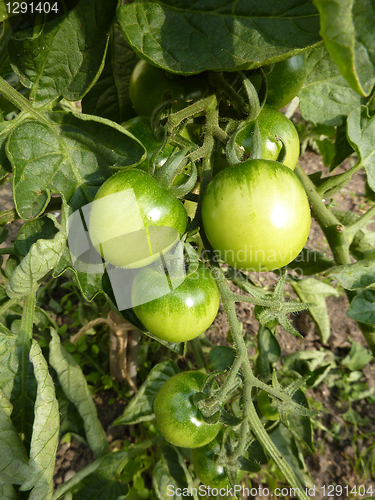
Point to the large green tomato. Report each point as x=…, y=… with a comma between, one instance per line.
x=183, y=313
x=179, y=421
x=256, y=215
x=133, y=219
x=205, y=466
x=149, y=86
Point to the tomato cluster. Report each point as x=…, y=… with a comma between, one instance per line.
x=254, y=213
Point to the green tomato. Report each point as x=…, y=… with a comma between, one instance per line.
x=149, y=86
x=204, y=460
x=273, y=125
x=133, y=219
x=256, y=215
x=179, y=421
x=183, y=313
x=267, y=410
x=286, y=80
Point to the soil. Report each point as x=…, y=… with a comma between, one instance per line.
x=335, y=462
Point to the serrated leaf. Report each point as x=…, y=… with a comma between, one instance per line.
x=326, y=96
x=75, y=387
x=69, y=154
x=14, y=461
x=362, y=307
x=109, y=97
x=357, y=358
x=191, y=37
x=361, y=135
x=140, y=407
x=357, y=275
x=45, y=431
x=41, y=259
x=169, y=474
x=66, y=56
x=313, y=291
x=347, y=29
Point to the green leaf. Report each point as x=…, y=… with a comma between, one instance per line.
x=45, y=431
x=313, y=291
x=32, y=231
x=190, y=37
x=362, y=307
x=300, y=425
x=355, y=418
x=100, y=479
x=347, y=29
x=269, y=352
x=169, y=474
x=285, y=443
x=140, y=408
x=342, y=147
x=109, y=97
x=42, y=258
x=8, y=360
x=326, y=96
x=361, y=135
x=75, y=387
x=311, y=262
x=66, y=56
x=71, y=154
x=7, y=492
x=221, y=357
x=357, y=275
x=13, y=459
x=357, y=358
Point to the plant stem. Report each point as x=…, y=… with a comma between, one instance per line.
x=256, y=425
x=361, y=222
x=335, y=180
x=338, y=238
x=334, y=231
x=7, y=251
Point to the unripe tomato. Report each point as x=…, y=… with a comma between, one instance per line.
x=205, y=466
x=133, y=219
x=256, y=215
x=149, y=86
x=179, y=421
x=284, y=80
x=183, y=313
x=273, y=126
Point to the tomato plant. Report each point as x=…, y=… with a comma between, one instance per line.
x=256, y=215
x=179, y=421
x=149, y=86
x=183, y=313
x=133, y=219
